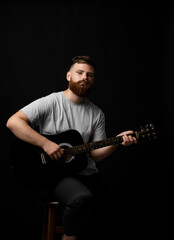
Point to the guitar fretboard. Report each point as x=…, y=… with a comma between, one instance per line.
x=87, y=147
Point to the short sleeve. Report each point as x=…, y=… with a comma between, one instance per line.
x=37, y=110
x=99, y=130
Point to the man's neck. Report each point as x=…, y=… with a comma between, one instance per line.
x=72, y=97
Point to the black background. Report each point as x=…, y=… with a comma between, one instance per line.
x=132, y=45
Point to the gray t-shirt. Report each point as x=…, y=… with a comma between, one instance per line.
x=54, y=114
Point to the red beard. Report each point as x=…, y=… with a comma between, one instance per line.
x=81, y=88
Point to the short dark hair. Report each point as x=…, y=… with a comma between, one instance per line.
x=82, y=59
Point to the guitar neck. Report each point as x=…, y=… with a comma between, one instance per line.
x=87, y=147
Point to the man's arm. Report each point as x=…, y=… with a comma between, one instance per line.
x=19, y=124
x=101, y=153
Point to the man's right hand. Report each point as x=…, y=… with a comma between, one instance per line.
x=52, y=149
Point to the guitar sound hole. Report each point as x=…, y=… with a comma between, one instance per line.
x=67, y=156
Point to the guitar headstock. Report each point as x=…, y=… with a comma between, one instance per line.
x=148, y=132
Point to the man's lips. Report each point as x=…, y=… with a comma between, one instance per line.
x=83, y=83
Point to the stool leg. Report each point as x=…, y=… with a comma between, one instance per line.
x=49, y=223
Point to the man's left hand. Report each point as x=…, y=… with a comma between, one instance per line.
x=128, y=138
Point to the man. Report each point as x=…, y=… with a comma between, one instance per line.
x=56, y=113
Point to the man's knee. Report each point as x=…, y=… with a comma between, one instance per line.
x=84, y=202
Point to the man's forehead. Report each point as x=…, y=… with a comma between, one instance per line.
x=83, y=66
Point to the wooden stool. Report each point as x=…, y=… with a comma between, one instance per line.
x=49, y=224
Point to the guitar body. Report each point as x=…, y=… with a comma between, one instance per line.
x=33, y=167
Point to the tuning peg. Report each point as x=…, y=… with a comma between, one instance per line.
x=152, y=126
x=147, y=127
x=142, y=129
x=154, y=136
x=149, y=136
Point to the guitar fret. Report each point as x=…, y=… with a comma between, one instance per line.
x=95, y=145
x=87, y=147
x=90, y=147
x=75, y=151
x=109, y=141
x=119, y=139
x=79, y=150
x=112, y=140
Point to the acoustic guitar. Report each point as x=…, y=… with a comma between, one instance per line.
x=35, y=168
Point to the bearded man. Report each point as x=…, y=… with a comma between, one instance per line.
x=57, y=113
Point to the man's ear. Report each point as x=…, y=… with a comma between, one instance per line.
x=68, y=76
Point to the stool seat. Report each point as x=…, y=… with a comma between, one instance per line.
x=49, y=225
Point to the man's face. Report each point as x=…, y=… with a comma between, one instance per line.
x=81, y=78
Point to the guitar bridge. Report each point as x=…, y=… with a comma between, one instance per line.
x=43, y=158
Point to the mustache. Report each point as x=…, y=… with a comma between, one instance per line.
x=86, y=82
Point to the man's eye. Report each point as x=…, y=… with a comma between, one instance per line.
x=90, y=75
x=79, y=72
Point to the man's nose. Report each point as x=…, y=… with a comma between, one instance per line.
x=85, y=76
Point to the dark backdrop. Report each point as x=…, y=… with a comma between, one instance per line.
x=132, y=46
